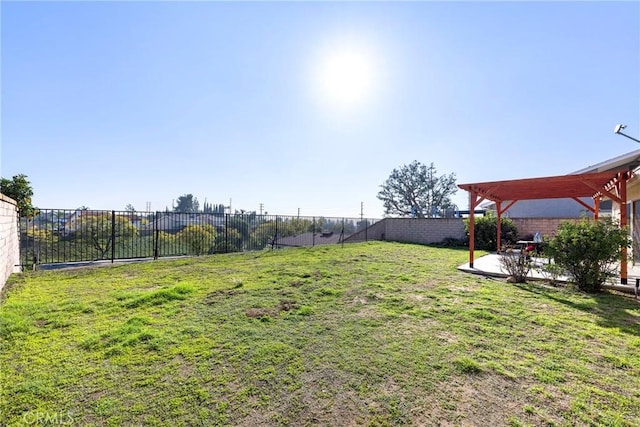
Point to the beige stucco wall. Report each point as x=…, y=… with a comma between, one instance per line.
x=9, y=239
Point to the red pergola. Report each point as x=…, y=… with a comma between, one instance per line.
x=610, y=184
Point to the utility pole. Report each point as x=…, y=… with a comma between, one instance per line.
x=261, y=208
x=298, y=212
x=361, y=211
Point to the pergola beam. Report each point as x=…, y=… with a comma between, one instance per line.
x=584, y=204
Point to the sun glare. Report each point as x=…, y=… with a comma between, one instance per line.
x=345, y=77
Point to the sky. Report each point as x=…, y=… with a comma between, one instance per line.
x=307, y=107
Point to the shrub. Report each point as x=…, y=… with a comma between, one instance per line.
x=486, y=228
x=451, y=242
x=588, y=251
x=516, y=264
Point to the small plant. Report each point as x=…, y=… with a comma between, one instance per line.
x=551, y=271
x=516, y=264
x=589, y=251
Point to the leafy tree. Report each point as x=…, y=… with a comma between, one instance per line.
x=231, y=242
x=199, y=238
x=187, y=203
x=129, y=208
x=294, y=226
x=40, y=243
x=263, y=234
x=324, y=224
x=589, y=251
x=240, y=224
x=20, y=190
x=416, y=190
x=95, y=229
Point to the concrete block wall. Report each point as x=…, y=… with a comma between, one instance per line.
x=435, y=230
x=544, y=226
x=423, y=230
x=9, y=239
x=413, y=230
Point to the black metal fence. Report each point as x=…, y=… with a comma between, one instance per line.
x=61, y=236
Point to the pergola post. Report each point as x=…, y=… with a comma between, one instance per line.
x=472, y=208
x=498, y=228
x=622, y=191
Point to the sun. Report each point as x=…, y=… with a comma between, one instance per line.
x=345, y=77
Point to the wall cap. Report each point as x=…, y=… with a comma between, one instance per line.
x=8, y=199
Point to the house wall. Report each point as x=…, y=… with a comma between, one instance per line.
x=9, y=241
x=548, y=208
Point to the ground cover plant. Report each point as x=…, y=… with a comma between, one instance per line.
x=376, y=334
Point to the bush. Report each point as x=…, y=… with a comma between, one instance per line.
x=486, y=228
x=588, y=251
x=451, y=242
x=517, y=265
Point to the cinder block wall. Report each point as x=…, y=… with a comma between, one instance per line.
x=423, y=230
x=545, y=226
x=9, y=242
x=435, y=230
x=413, y=230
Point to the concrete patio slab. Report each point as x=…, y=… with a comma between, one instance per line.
x=489, y=265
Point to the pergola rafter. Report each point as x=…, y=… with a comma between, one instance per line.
x=611, y=184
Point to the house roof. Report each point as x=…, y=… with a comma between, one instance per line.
x=550, y=187
x=628, y=161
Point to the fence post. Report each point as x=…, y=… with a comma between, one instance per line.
x=342, y=233
x=275, y=236
x=313, y=235
x=156, y=236
x=113, y=236
x=366, y=229
x=226, y=233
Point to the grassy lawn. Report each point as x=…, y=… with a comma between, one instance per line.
x=370, y=334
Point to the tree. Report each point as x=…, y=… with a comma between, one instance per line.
x=199, y=238
x=129, y=208
x=20, y=190
x=187, y=203
x=97, y=232
x=416, y=190
x=589, y=251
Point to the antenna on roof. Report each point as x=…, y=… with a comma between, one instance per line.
x=619, y=128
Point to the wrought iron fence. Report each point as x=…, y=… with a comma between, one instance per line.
x=62, y=236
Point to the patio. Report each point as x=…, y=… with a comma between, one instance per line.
x=489, y=266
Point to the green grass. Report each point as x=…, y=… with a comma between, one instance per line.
x=373, y=334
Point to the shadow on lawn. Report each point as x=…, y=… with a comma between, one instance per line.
x=613, y=310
